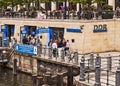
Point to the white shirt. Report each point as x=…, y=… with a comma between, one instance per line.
x=67, y=44
x=54, y=45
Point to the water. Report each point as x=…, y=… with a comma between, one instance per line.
x=8, y=79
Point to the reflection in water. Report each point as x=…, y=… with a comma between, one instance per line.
x=8, y=79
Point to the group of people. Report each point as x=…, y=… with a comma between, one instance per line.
x=58, y=45
x=31, y=40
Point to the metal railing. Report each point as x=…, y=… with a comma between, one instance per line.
x=101, y=71
x=60, y=15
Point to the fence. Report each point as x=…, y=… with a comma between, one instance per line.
x=101, y=71
x=61, y=55
x=60, y=15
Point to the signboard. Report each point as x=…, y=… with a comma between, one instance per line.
x=40, y=30
x=100, y=28
x=27, y=49
x=74, y=30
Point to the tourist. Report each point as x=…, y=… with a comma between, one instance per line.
x=50, y=43
x=60, y=46
x=54, y=48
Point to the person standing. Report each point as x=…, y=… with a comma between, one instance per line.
x=60, y=46
x=54, y=48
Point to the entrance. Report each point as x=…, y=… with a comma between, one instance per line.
x=27, y=30
x=58, y=32
x=8, y=32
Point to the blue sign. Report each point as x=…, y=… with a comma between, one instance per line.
x=27, y=49
x=40, y=30
x=74, y=30
x=99, y=30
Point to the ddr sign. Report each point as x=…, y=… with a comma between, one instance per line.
x=100, y=28
x=27, y=49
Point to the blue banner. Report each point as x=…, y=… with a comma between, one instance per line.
x=74, y=30
x=46, y=30
x=5, y=31
x=27, y=49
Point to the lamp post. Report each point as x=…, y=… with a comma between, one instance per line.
x=65, y=9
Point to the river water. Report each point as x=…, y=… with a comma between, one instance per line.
x=8, y=79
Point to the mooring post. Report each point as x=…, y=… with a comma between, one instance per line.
x=109, y=63
x=14, y=80
x=70, y=76
x=39, y=81
x=47, y=78
x=60, y=79
x=97, y=71
x=15, y=66
x=117, y=83
x=34, y=80
x=76, y=57
x=82, y=69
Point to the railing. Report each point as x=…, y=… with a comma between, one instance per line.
x=60, y=15
x=101, y=71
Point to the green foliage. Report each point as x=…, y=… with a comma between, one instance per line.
x=107, y=7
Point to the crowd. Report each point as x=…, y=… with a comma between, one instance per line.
x=56, y=45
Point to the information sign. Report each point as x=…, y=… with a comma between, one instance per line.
x=27, y=49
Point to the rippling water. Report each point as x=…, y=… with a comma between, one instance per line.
x=8, y=79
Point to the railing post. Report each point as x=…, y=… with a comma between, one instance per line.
x=70, y=76
x=82, y=69
x=109, y=63
x=95, y=16
x=91, y=60
x=114, y=15
x=76, y=57
x=97, y=71
x=50, y=53
x=117, y=83
x=15, y=66
x=62, y=55
x=44, y=52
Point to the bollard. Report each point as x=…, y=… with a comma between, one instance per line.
x=91, y=60
x=117, y=83
x=97, y=71
x=14, y=80
x=39, y=81
x=76, y=57
x=62, y=55
x=82, y=69
x=50, y=53
x=34, y=80
x=60, y=79
x=109, y=63
x=15, y=66
x=70, y=76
